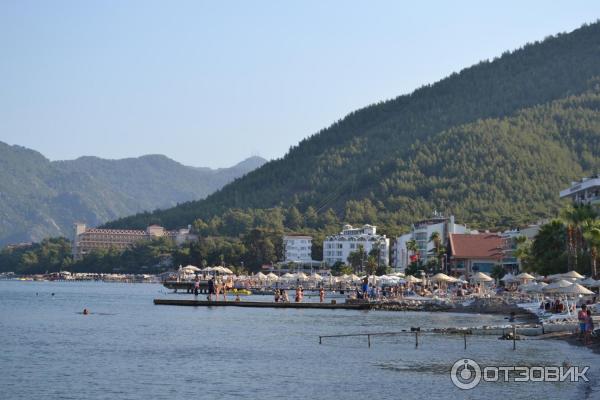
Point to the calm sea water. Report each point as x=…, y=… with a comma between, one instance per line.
x=130, y=349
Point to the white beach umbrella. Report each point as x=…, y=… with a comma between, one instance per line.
x=572, y=275
x=412, y=279
x=508, y=278
x=190, y=268
x=316, y=277
x=440, y=277
x=533, y=287
x=554, y=286
x=207, y=269
x=301, y=276
x=260, y=276
x=524, y=276
x=590, y=282
x=355, y=278
x=481, y=277
x=272, y=277
x=574, y=289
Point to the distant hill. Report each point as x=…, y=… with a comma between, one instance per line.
x=41, y=198
x=492, y=144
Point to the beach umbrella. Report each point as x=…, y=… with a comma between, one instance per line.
x=207, y=269
x=226, y=270
x=398, y=274
x=554, y=277
x=191, y=268
x=508, y=278
x=590, y=282
x=524, y=276
x=440, y=277
x=287, y=275
x=260, y=276
x=272, y=277
x=412, y=279
x=572, y=275
x=533, y=287
x=481, y=277
x=301, y=276
x=554, y=286
x=355, y=278
x=575, y=288
x=316, y=277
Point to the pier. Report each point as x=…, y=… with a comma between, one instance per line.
x=263, y=304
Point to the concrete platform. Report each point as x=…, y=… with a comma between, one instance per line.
x=262, y=304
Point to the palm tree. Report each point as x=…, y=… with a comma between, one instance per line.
x=591, y=233
x=521, y=252
x=576, y=216
x=437, y=241
x=412, y=247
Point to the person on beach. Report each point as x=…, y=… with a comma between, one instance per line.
x=196, y=286
x=276, y=296
x=365, y=289
x=211, y=288
x=589, y=327
x=297, y=298
x=582, y=318
x=321, y=295
x=284, y=296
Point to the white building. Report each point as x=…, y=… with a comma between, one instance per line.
x=337, y=248
x=586, y=191
x=297, y=248
x=421, y=231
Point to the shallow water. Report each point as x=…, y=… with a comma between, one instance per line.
x=129, y=348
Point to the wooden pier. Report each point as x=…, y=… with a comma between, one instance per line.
x=263, y=304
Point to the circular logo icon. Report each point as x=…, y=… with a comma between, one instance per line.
x=465, y=374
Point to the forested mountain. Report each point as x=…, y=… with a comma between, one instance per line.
x=41, y=198
x=492, y=144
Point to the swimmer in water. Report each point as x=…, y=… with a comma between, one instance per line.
x=85, y=311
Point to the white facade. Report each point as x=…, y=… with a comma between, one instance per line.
x=586, y=191
x=337, y=248
x=421, y=232
x=297, y=249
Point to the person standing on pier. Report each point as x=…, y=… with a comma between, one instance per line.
x=196, y=286
x=321, y=295
x=582, y=318
x=211, y=288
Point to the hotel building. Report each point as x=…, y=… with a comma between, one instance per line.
x=585, y=191
x=86, y=240
x=297, y=248
x=337, y=248
x=421, y=231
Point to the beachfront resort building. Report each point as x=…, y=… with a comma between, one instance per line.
x=585, y=191
x=297, y=248
x=86, y=240
x=471, y=253
x=421, y=232
x=337, y=248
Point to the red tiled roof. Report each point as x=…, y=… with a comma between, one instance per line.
x=483, y=245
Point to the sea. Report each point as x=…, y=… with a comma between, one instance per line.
x=129, y=348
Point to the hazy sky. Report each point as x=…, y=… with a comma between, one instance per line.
x=210, y=83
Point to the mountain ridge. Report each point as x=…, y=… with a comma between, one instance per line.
x=42, y=198
x=362, y=157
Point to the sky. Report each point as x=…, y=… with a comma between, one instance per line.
x=211, y=83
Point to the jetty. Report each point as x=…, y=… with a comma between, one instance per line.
x=264, y=304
